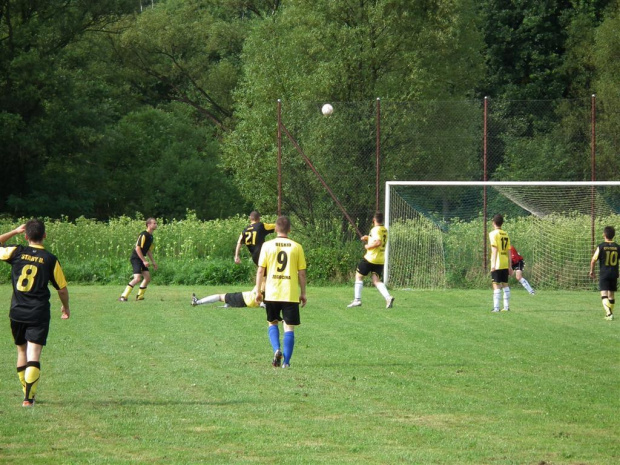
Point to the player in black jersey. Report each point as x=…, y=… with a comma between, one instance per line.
x=143, y=248
x=32, y=269
x=253, y=237
x=606, y=254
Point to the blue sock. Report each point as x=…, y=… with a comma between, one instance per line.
x=274, y=337
x=289, y=344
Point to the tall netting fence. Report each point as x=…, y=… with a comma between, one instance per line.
x=334, y=168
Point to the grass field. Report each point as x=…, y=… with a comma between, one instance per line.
x=436, y=380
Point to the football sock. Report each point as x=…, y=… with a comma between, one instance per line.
x=127, y=291
x=274, y=336
x=612, y=303
x=506, y=298
x=357, y=290
x=608, y=305
x=605, y=302
x=526, y=285
x=31, y=376
x=383, y=290
x=289, y=344
x=209, y=299
x=21, y=372
x=497, y=294
x=141, y=292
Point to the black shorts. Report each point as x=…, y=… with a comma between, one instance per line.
x=29, y=332
x=138, y=266
x=287, y=311
x=518, y=266
x=256, y=256
x=364, y=267
x=235, y=299
x=500, y=276
x=608, y=284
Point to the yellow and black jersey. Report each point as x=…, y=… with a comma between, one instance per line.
x=254, y=235
x=376, y=255
x=607, y=256
x=282, y=258
x=33, y=268
x=499, y=239
x=145, y=242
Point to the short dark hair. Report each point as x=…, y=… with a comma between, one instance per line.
x=254, y=216
x=609, y=232
x=283, y=224
x=379, y=217
x=35, y=230
x=150, y=220
x=498, y=220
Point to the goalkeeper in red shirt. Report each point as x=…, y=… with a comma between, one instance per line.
x=518, y=264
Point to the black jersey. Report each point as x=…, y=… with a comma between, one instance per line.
x=33, y=268
x=145, y=242
x=607, y=256
x=254, y=236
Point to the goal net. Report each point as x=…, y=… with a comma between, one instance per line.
x=438, y=231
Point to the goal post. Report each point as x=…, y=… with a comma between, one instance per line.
x=438, y=232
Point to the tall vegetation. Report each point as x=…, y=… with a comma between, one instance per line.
x=118, y=106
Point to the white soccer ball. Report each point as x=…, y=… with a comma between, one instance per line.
x=327, y=109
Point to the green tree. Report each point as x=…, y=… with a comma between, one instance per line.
x=315, y=52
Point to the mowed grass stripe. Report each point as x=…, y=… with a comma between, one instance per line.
x=436, y=379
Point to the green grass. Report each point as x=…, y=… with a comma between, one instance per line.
x=436, y=380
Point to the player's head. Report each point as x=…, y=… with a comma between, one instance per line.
x=609, y=232
x=255, y=216
x=35, y=230
x=283, y=225
x=379, y=218
x=152, y=223
x=498, y=220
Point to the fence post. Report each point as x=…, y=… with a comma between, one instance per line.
x=279, y=157
x=378, y=154
x=484, y=178
x=593, y=161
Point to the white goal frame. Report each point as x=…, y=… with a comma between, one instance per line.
x=390, y=184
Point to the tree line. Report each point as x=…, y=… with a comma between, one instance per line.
x=113, y=107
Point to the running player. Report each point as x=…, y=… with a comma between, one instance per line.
x=139, y=263
x=253, y=236
x=606, y=254
x=32, y=269
x=372, y=262
x=500, y=262
x=282, y=268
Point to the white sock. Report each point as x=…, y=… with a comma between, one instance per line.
x=526, y=285
x=357, y=290
x=383, y=290
x=211, y=299
x=506, y=298
x=497, y=294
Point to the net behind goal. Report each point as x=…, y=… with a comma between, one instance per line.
x=438, y=231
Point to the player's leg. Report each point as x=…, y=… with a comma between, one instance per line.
x=272, y=309
x=146, y=279
x=33, y=371
x=506, y=290
x=382, y=288
x=22, y=361
x=361, y=271
x=611, y=303
x=523, y=281
x=210, y=299
x=137, y=267
x=497, y=290
x=290, y=314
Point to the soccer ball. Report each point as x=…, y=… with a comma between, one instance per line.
x=327, y=109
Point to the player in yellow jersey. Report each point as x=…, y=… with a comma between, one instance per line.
x=282, y=270
x=372, y=262
x=32, y=269
x=500, y=263
x=231, y=299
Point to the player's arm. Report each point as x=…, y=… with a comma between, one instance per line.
x=593, y=261
x=238, y=249
x=493, y=257
x=301, y=276
x=271, y=227
x=260, y=276
x=8, y=235
x=373, y=243
x=63, y=294
x=150, y=254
